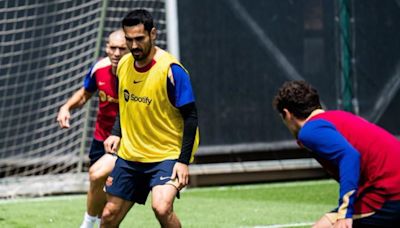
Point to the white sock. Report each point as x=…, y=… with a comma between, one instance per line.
x=88, y=221
x=98, y=220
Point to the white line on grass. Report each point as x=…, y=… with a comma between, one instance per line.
x=225, y=188
x=267, y=185
x=41, y=199
x=284, y=225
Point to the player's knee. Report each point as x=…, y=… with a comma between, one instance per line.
x=96, y=177
x=162, y=209
x=108, y=216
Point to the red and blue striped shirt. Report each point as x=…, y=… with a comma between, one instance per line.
x=361, y=156
x=100, y=78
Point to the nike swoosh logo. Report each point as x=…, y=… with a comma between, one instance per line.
x=164, y=178
x=136, y=82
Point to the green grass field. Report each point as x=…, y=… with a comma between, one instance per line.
x=259, y=205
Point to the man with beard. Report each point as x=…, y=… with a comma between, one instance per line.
x=156, y=132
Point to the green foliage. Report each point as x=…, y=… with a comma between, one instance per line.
x=233, y=206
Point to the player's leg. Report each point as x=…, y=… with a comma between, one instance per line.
x=125, y=186
x=114, y=211
x=98, y=174
x=164, y=190
x=162, y=203
x=91, y=215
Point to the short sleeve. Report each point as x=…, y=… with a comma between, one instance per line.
x=89, y=82
x=182, y=92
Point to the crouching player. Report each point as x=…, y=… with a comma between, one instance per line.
x=361, y=156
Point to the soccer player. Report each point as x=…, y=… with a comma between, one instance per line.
x=158, y=124
x=101, y=78
x=361, y=156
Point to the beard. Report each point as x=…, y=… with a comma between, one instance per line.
x=141, y=54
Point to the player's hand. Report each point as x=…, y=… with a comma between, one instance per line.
x=63, y=117
x=111, y=144
x=344, y=223
x=181, y=171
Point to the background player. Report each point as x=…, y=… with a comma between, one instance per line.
x=361, y=156
x=101, y=78
x=158, y=123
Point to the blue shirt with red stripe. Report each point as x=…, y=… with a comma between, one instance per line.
x=361, y=156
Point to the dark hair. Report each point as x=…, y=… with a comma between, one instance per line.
x=139, y=16
x=298, y=97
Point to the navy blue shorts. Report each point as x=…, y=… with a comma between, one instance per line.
x=387, y=217
x=96, y=151
x=133, y=181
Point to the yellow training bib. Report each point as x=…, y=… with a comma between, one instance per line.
x=152, y=128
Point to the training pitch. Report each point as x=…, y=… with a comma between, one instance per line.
x=289, y=204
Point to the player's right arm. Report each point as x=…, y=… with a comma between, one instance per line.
x=111, y=144
x=323, y=138
x=77, y=100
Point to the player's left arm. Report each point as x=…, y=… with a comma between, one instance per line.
x=181, y=95
x=323, y=138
